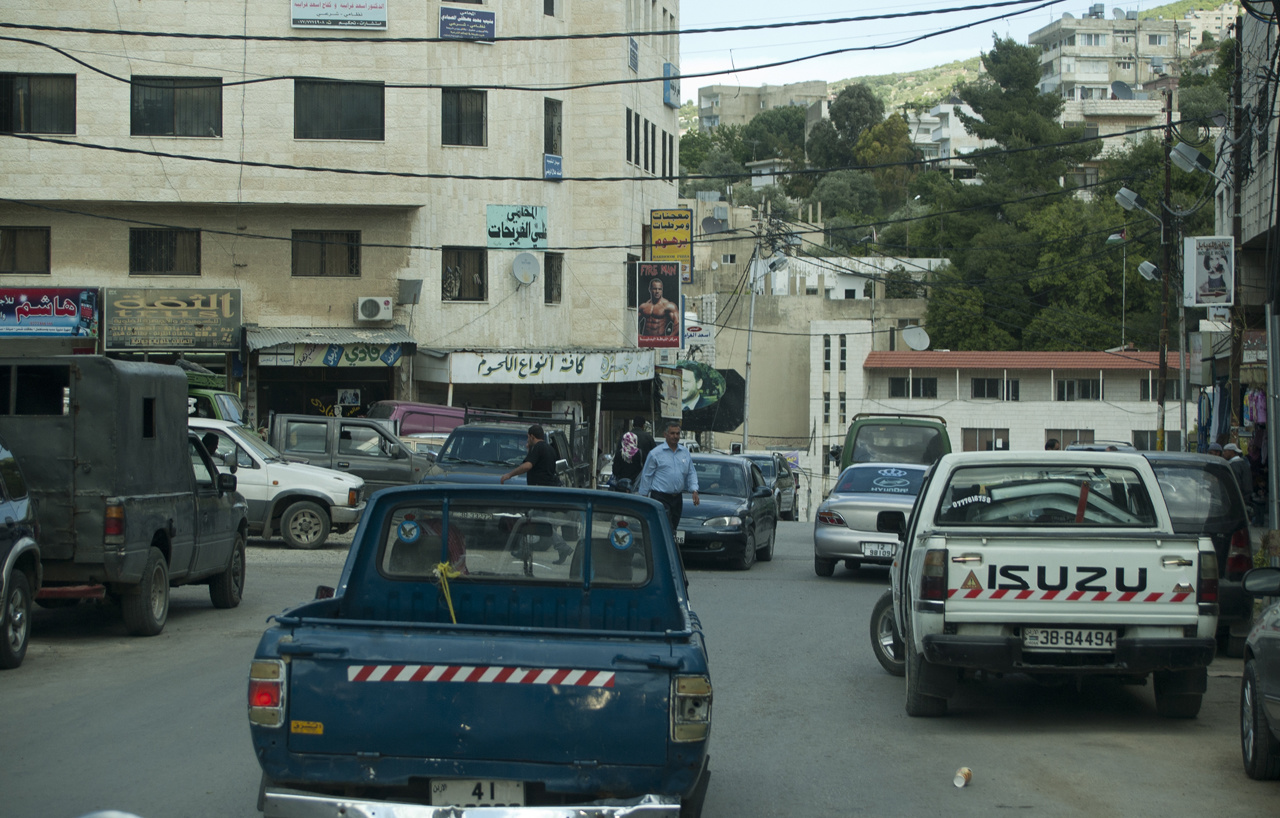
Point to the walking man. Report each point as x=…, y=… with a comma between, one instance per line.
x=668, y=473
x=1240, y=468
x=540, y=463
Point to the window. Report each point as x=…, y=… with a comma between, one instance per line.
x=826, y=407
x=1144, y=440
x=1157, y=39
x=842, y=409
x=985, y=388
x=1066, y=437
x=629, y=135
x=464, y=276
x=630, y=275
x=1093, y=39
x=35, y=390
x=826, y=353
x=648, y=149
x=843, y=355
x=37, y=103
x=552, y=125
x=164, y=252
x=636, y=157
x=1079, y=390
x=24, y=250
x=1150, y=389
x=173, y=106
x=729, y=258
x=850, y=295
x=549, y=7
x=328, y=109
x=920, y=387
x=326, y=253
x=1124, y=65
x=985, y=440
x=463, y=117
x=552, y=277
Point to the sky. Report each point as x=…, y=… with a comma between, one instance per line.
x=701, y=53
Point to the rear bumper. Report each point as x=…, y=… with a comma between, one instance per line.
x=285, y=803
x=1004, y=654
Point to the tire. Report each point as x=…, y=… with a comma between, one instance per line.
x=1173, y=705
x=227, y=589
x=765, y=552
x=919, y=704
x=15, y=621
x=1258, y=745
x=146, y=605
x=304, y=525
x=748, y=558
x=884, y=636
x=824, y=568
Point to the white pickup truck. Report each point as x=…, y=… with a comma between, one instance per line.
x=1051, y=564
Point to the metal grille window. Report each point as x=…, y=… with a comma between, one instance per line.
x=164, y=252
x=37, y=103
x=174, y=106
x=826, y=407
x=920, y=387
x=463, y=277
x=329, y=253
x=552, y=125
x=1079, y=390
x=552, y=276
x=24, y=250
x=463, y=117
x=826, y=353
x=327, y=109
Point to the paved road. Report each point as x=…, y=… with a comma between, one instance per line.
x=806, y=722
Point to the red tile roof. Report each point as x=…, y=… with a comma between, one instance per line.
x=941, y=359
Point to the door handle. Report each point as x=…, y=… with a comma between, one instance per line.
x=968, y=558
x=1175, y=562
x=343, y=464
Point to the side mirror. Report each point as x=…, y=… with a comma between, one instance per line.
x=324, y=592
x=232, y=461
x=562, y=466
x=762, y=491
x=892, y=522
x=1261, y=582
x=226, y=483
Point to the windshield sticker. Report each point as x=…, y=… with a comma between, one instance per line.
x=408, y=532
x=620, y=538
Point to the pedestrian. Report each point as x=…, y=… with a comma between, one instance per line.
x=1215, y=449
x=632, y=449
x=539, y=463
x=1052, y=445
x=1240, y=468
x=668, y=473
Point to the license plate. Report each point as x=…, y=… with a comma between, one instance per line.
x=679, y=538
x=1068, y=639
x=877, y=549
x=471, y=792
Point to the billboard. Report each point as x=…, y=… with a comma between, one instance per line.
x=29, y=312
x=1208, y=271
x=659, y=284
x=196, y=320
x=672, y=238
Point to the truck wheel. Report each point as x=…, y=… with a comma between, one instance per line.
x=15, y=621
x=824, y=568
x=227, y=588
x=748, y=558
x=1172, y=700
x=884, y=636
x=146, y=605
x=304, y=525
x=919, y=704
x=1258, y=744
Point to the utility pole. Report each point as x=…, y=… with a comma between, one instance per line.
x=1167, y=272
x=756, y=258
x=1237, y=234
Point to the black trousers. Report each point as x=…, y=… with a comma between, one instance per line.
x=674, y=504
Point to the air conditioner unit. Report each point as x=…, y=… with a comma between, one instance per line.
x=374, y=308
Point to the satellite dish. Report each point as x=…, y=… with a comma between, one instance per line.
x=916, y=338
x=1121, y=89
x=1066, y=15
x=1220, y=119
x=713, y=225
x=1117, y=13
x=715, y=265
x=525, y=268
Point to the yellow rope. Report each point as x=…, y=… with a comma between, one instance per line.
x=444, y=573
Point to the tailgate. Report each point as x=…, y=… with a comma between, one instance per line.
x=1063, y=576
x=499, y=698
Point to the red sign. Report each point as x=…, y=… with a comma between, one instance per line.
x=658, y=285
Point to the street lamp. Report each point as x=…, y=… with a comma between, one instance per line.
x=1191, y=160
x=1149, y=271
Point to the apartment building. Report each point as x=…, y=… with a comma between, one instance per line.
x=734, y=105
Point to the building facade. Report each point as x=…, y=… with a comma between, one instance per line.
x=734, y=105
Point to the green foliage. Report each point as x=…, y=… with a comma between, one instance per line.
x=922, y=87
x=825, y=147
x=887, y=143
x=780, y=207
x=855, y=109
x=689, y=117
x=721, y=168
x=729, y=139
x=777, y=132
x=898, y=283
x=694, y=147
x=845, y=192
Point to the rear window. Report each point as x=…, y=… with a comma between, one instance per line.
x=1200, y=499
x=766, y=466
x=488, y=542
x=1018, y=495
x=480, y=446
x=880, y=480
x=894, y=443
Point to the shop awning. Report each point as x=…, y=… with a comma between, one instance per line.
x=266, y=337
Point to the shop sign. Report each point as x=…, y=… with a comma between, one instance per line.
x=336, y=355
x=517, y=227
x=338, y=14
x=466, y=24
x=550, y=367
x=199, y=320
x=29, y=312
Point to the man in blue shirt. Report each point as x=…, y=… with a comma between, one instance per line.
x=668, y=473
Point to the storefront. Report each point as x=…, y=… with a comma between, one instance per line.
x=162, y=324
x=49, y=320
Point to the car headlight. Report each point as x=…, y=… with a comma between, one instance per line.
x=724, y=522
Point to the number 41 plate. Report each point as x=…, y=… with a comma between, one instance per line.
x=468, y=792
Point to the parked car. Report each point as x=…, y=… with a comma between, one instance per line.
x=781, y=480
x=845, y=525
x=412, y=418
x=19, y=560
x=1100, y=446
x=301, y=503
x=428, y=443
x=363, y=447
x=1260, y=683
x=737, y=518
x=1204, y=499
x=894, y=438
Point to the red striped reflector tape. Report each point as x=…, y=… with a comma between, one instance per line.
x=467, y=673
x=1069, y=596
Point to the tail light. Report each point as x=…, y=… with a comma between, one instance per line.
x=113, y=523
x=266, y=692
x=690, y=708
x=830, y=518
x=933, y=584
x=1207, y=589
x=1239, y=559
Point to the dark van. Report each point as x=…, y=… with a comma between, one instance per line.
x=418, y=418
x=877, y=438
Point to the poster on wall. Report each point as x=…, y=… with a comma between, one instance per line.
x=48, y=311
x=1208, y=273
x=659, y=284
x=338, y=14
x=712, y=400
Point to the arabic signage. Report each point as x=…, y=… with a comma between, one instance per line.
x=670, y=85
x=672, y=233
x=48, y=311
x=466, y=24
x=341, y=355
x=517, y=227
x=195, y=320
x=633, y=54
x=338, y=14
x=550, y=367
x=659, y=283
x=552, y=166
x=1208, y=275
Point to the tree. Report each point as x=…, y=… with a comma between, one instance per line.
x=898, y=283
x=728, y=138
x=694, y=147
x=780, y=206
x=845, y=192
x=777, y=132
x=722, y=172
x=887, y=144
x=825, y=148
x=855, y=109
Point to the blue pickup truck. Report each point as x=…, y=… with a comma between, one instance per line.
x=467, y=659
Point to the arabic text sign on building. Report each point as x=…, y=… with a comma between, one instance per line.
x=198, y=320
x=672, y=235
x=336, y=355
x=512, y=227
x=550, y=367
x=48, y=311
x=338, y=14
x=467, y=24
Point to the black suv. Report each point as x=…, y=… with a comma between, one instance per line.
x=19, y=559
x=1204, y=499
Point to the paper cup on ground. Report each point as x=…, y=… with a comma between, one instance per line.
x=963, y=776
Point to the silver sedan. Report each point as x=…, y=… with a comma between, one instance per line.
x=845, y=526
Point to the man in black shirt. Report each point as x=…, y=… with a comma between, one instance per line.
x=540, y=463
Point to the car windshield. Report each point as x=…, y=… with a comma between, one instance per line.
x=481, y=446
x=897, y=443
x=880, y=480
x=229, y=408
x=1199, y=498
x=1021, y=494
x=249, y=439
x=766, y=467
